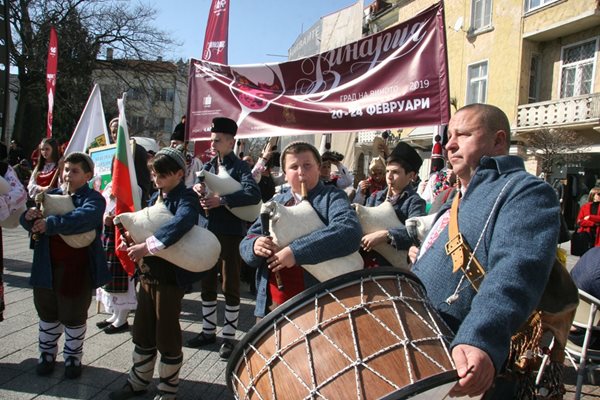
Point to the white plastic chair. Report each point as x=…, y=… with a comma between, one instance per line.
x=585, y=360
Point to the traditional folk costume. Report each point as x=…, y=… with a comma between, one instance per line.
x=162, y=287
x=63, y=277
x=42, y=178
x=230, y=230
x=407, y=204
x=118, y=296
x=333, y=208
x=515, y=246
x=10, y=203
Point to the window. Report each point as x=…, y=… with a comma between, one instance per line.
x=535, y=78
x=481, y=14
x=164, y=94
x=531, y=5
x=137, y=123
x=577, y=70
x=135, y=93
x=477, y=76
x=165, y=124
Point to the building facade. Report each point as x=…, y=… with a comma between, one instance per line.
x=156, y=94
x=535, y=59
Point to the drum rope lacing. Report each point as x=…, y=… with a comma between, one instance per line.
x=354, y=363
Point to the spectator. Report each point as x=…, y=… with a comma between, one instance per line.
x=587, y=219
x=374, y=183
x=343, y=178
x=15, y=153
x=586, y=275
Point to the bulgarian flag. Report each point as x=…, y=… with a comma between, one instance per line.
x=124, y=183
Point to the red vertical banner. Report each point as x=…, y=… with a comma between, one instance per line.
x=214, y=50
x=217, y=30
x=51, y=70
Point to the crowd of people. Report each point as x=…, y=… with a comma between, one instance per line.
x=508, y=221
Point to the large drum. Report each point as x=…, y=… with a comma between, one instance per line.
x=364, y=335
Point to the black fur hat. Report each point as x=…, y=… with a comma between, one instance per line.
x=404, y=154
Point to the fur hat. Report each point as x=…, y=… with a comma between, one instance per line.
x=224, y=125
x=332, y=156
x=404, y=154
x=175, y=154
x=298, y=142
x=377, y=163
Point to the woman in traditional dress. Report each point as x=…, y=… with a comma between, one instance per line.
x=42, y=177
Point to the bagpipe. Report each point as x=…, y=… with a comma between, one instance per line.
x=198, y=250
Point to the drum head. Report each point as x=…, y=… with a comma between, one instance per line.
x=433, y=387
x=365, y=334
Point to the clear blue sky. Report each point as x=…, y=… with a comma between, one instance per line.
x=256, y=27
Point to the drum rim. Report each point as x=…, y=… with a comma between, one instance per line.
x=422, y=385
x=296, y=302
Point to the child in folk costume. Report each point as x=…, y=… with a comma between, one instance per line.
x=162, y=284
x=43, y=175
x=118, y=295
x=10, y=202
x=402, y=166
x=62, y=276
x=301, y=163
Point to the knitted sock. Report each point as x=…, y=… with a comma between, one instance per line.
x=142, y=370
x=209, y=317
x=112, y=318
x=168, y=371
x=121, y=318
x=49, y=333
x=231, y=321
x=74, y=336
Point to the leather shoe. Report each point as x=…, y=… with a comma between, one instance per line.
x=116, y=329
x=45, y=365
x=202, y=339
x=103, y=324
x=226, y=349
x=72, y=368
x=126, y=392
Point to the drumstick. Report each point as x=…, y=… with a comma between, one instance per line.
x=264, y=221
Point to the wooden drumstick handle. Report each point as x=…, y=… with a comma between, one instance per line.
x=264, y=221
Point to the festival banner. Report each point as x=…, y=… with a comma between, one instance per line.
x=393, y=79
x=51, y=71
x=214, y=50
x=217, y=28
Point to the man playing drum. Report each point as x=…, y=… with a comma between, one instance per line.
x=341, y=235
x=510, y=220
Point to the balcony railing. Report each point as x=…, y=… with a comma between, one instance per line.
x=572, y=112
